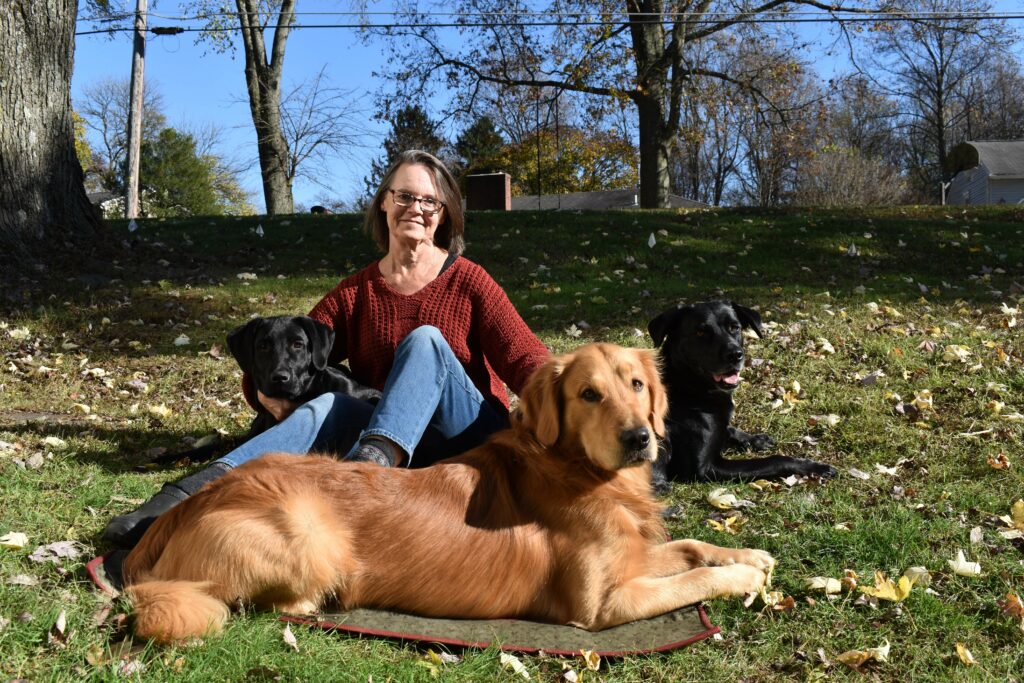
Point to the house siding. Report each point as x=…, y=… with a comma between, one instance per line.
x=1010, y=191
x=969, y=187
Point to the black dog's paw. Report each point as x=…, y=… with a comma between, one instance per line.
x=820, y=470
x=740, y=440
x=760, y=442
x=660, y=486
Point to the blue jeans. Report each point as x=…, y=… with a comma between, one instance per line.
x=429, y=407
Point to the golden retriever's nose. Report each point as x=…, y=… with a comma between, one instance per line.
x=635, y=439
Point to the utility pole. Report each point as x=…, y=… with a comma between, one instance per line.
x=131, y=200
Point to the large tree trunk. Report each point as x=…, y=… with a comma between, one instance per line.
x=657, y=123
x=263, y=81
x=655, y=142
x=43, y=205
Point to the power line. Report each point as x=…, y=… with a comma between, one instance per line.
x=548, y=23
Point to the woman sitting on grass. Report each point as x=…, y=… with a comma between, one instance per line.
x=427, y=327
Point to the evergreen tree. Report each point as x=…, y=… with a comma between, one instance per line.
x=411, y=128
x=478, y=149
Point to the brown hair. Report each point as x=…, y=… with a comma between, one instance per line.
x=449, y=233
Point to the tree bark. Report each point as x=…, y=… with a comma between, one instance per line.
x=657, y=123
x=263, y=81
x=43, y=205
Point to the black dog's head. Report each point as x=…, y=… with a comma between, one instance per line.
x=704, y=342
x=282, y=354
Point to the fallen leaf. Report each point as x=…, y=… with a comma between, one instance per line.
x=591, y=659
x=730, y=525
x=289, y=638
x=827, y=584
x=512, y=662
x=722, y=499
x=1016, y=518
x=1013, y=607
x=58, y=636
x=999, y=461
x=23, y=580
x=55, y=552
x=160, y=411
x=829, y=420
x=182, y=340
x=955, y=352
x=886, y=589
x=14, y=540
x=858, y=474
x=54, y=442
x=962, y=567
x=855, y=659
x=918, y=575
x=965, y=655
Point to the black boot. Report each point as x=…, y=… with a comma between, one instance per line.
x=376, y=450
x=124, y=531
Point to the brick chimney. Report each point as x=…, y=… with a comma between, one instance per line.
x=489, y=192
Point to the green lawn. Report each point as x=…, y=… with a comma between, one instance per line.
x=898, y=327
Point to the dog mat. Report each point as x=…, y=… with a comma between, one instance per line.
x=665, y=632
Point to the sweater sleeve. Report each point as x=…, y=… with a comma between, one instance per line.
x=511, y=347
x=330, y=311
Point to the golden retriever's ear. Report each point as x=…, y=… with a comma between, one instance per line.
x=539, y=405
x=659, y=398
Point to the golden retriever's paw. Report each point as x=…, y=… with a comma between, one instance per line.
x=756, y=558
x=301, y=607
x=744, y=579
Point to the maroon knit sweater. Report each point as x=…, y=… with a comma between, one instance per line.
x=473, y=313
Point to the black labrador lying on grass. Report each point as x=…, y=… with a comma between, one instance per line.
x=702, y=357
x=285, y=357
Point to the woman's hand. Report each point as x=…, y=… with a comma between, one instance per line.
x=280, y=408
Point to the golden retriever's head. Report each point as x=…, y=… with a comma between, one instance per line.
x=606, y=399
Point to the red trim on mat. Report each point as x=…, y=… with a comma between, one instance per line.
x=349, y=628
x=92, y=570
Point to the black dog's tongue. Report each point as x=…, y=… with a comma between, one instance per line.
x=734, y=378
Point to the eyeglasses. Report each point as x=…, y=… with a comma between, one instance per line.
x=429, y=205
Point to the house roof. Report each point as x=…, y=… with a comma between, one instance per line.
x=1002, y=158
x=576, y=201
x=101, y=197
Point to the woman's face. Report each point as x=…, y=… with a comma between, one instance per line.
x=410, y=224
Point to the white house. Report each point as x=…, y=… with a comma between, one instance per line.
x=988, y=172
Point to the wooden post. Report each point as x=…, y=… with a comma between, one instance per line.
x=131, y=199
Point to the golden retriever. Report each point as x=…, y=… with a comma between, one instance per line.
x=551, y=520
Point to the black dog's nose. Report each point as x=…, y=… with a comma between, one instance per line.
x=635, y=439
x=734, y=356
x=280, y=377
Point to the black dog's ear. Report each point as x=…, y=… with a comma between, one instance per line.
x=659, y=327
x=241, y=341
x=321, y=340
x=748, y=317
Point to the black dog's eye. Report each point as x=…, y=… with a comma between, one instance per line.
x=734, y=328
x=298, y=344
x=638, y=386
x=702, y=332
x=590, y=396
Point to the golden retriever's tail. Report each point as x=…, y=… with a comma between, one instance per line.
x=175, y=611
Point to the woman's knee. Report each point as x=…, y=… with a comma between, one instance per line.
x=425, y=335
x=425, y=341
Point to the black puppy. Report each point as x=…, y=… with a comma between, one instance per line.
x=702, y=357
x=286, y=357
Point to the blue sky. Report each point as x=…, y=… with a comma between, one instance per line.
x=202, y=87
